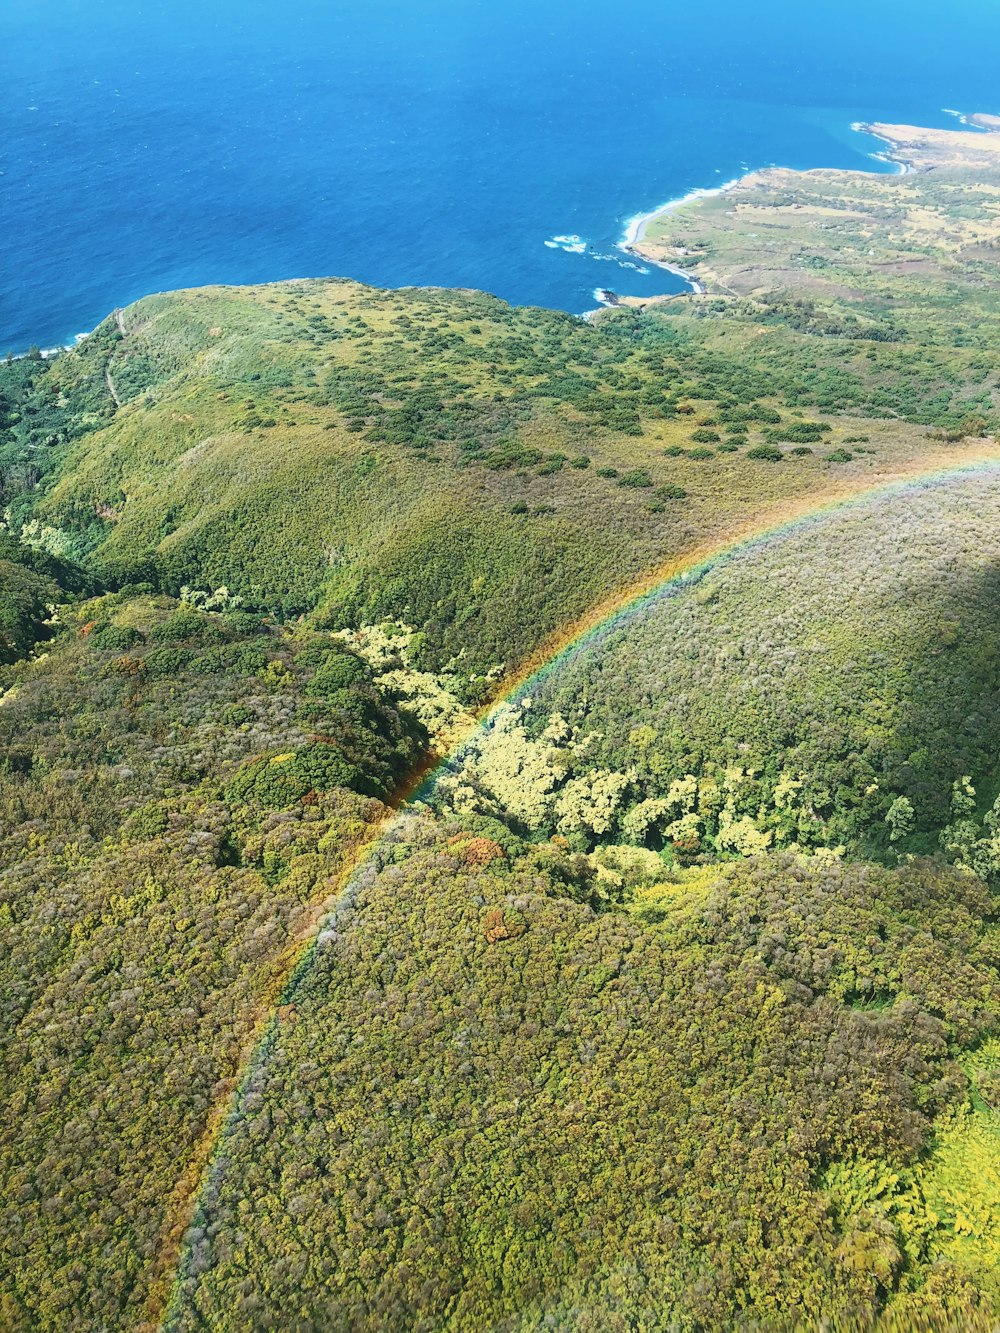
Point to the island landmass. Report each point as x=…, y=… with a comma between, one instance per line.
x=673, y=1002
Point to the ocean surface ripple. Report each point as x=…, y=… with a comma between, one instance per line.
x=455, y=142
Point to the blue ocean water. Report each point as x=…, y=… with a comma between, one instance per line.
x=153, y=144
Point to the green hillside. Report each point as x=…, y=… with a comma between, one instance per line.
x=665, y=996
x=790, y=696
x=435, y=457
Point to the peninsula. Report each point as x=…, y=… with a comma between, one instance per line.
x=840, y=235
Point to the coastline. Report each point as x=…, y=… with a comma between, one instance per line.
x=983, y=127
x=636, y=227
x=635, y=230
x=977, y=120
x=47, y=353
x=903, y=168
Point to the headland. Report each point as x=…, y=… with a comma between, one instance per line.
x=748, y=234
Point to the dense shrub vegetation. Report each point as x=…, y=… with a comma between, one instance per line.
x=147, y=898
x=671, y=1002
x=511, y=1112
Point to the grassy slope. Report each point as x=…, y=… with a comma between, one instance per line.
x=279, y=441
x=856, y=659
